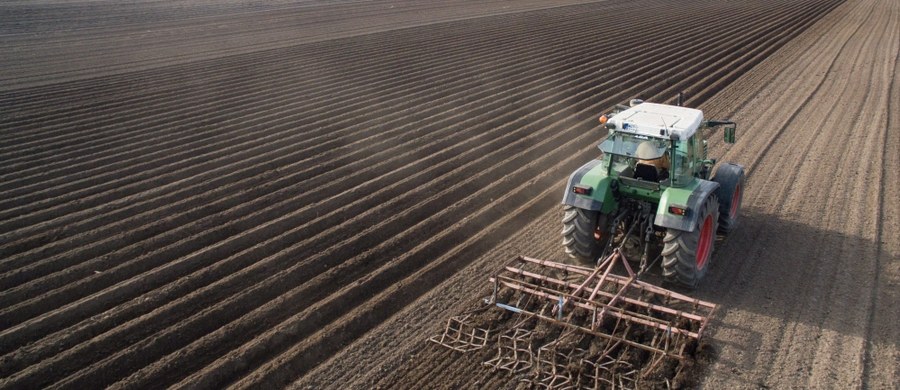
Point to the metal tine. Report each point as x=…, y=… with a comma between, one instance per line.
x=548, y=294
x=460, y=335
x=555, y=293
x=634, y=284
x=631, y=282
x=618, y=279
x=508, y=357
x=611, y=312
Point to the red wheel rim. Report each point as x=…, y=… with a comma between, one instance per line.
x=735, y=201
x=705, y=244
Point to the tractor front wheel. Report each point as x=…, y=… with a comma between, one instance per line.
x=686, y=255
x=585, y=234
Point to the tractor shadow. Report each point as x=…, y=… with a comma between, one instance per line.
x=791, y=275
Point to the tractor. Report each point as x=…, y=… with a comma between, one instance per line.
x=653, y=193
x=598, y=323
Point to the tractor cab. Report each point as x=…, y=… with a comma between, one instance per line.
x=653, y=143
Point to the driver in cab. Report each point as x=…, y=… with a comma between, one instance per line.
x=649, y=161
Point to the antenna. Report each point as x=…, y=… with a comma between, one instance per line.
x=665, y=126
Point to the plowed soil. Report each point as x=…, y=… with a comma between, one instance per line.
x=270, y=194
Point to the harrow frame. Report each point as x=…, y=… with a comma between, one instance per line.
x=619, y=314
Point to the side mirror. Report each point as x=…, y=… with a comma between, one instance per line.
x=729, y=133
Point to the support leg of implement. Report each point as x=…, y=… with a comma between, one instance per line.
x=602, y=330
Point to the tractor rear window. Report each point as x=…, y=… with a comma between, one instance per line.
x=632, y=145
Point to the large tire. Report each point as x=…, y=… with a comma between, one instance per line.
x=731, y=193
x=686, y=255
x=580, y=230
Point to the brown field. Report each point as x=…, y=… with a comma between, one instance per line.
x=298, y=194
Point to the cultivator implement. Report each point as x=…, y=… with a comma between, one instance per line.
x=573, y=327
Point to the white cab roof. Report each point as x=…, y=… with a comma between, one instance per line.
x=658, y=120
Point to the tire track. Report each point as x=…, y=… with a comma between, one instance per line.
x=878, y=361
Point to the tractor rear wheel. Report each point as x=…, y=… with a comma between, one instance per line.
x=585, y=234
x=686, y=255
x=731, y=193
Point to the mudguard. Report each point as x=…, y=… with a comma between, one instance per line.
x=728, y=176
x=691, y=197
x=593, y=176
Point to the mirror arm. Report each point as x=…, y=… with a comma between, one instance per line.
x=712, y=123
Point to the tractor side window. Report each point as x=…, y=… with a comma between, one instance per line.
x=691, y=155
x=681, y=171
x=699, y=155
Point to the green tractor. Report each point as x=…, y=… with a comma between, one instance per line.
x=651, y=194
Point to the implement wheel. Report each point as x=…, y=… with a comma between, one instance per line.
x=585, y=234
x=686, y=255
